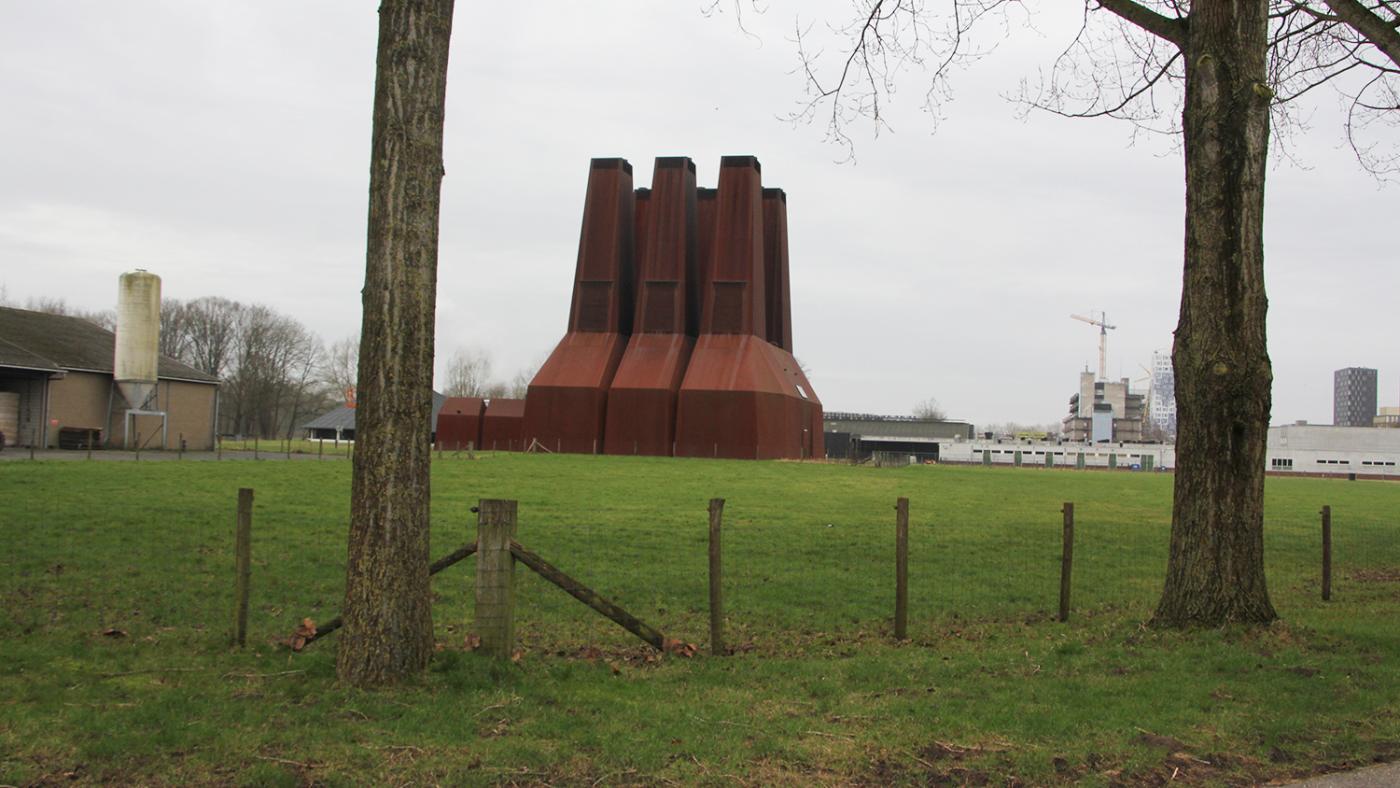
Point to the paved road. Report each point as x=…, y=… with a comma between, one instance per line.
x=1386, y=775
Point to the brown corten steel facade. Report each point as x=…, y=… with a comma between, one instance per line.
x=503, y=426
x=567, y=401
x=689, y=352
x=642, y=398
x=459, y=423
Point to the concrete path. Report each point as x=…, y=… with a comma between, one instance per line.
x=1386, y=775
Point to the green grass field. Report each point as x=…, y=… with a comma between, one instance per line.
x=116, y=606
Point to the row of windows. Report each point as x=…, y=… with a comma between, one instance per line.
x=1285, y=462
x=1028, y=453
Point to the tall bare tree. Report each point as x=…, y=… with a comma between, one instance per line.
x=212, y=326
x=388, y=633
x=174, y=336
x=1215, y=70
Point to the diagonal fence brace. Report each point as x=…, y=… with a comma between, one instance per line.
x=588, y=596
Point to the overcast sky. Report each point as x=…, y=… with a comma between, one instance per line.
x=225, y=147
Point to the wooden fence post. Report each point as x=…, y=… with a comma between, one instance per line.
x=716, y=589
x=1066, y=561
x=243, y=564
x=495, y=577
x=901, y=569
x=1326, y=553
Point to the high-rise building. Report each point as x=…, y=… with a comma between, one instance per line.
x=1161, y=406
x=1353, y=397
x=1103, y=411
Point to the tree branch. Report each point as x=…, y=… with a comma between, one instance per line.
x=1378, y=32
x=1173, y=30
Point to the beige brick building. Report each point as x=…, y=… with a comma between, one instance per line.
x=56, y=390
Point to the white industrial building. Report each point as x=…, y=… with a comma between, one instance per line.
x=1340, y=451
x=1303, y=449
x=1053, y=454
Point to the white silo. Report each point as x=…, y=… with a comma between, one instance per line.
x=138, y=338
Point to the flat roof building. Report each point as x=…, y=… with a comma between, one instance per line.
x=861, y=434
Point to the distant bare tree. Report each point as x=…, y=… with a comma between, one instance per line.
x=270, y=372
x=468, y=373
x=212, y=327
x=341, y=365
x=57, y=306
x=929, y=409
x=520, y=383
x=174, y=334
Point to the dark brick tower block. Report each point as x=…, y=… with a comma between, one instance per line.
x=567, y=400
x=642, y=400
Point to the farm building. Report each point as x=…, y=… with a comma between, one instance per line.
x=339, y=424
x=57, y=390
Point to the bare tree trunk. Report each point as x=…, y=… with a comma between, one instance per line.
x=388, y=622
x=1215, y=572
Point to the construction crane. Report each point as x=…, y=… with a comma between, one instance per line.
x=1103, y=325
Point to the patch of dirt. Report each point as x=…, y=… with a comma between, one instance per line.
x=1382, y=575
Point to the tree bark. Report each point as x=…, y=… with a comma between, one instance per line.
x=1215, y=572
x=388, y=621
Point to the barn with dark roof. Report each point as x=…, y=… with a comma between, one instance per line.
x=57, y=389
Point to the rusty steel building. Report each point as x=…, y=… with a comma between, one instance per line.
x=679, y=339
